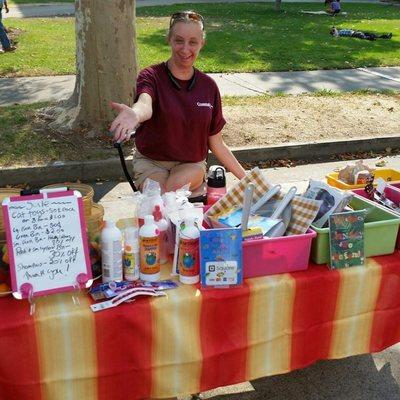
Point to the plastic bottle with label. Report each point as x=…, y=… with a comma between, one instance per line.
x=111, y=252
x=189, y=253
x=216, y=184
x=131, y=254
x=162, y=225
x=149, y=250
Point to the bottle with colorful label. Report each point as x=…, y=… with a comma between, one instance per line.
x=149, y=250
x=131, y=254
x=189, y=253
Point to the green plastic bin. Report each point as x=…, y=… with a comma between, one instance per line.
x=380, y=232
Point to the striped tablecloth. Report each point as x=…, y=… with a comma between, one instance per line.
x=196, y=339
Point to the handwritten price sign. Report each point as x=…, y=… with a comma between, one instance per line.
x=46, y=239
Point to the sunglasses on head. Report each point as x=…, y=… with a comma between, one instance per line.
x=183, y=15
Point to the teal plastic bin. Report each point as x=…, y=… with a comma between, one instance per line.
x=380, y=233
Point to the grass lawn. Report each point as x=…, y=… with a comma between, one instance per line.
x=22, y=141
x=17, y=2
x=241, y=38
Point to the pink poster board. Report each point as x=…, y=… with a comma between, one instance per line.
x=47, y=243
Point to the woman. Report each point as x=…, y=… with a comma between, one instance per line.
x=179, y=112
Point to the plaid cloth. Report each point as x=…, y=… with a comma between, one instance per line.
x=304, y=210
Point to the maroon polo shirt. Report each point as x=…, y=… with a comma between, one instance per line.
x=182, y=119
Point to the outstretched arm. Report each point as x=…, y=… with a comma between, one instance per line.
x=225, y=156
x=129, y=118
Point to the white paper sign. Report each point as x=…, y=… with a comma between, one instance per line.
x=47, y=243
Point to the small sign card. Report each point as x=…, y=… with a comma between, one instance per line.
x=221, y=257
x=346, y=239
x=47, y=243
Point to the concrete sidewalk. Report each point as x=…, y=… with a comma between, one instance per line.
x=54, y=88
x=63, y=9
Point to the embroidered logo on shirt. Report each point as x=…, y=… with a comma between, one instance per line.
x=210, y=106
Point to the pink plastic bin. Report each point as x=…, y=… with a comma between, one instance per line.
x=277, y=255
x=392, y=192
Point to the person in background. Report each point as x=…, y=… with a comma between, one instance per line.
x=4, y=40
x=177, y=113
x=334, y=8
x=358, y=34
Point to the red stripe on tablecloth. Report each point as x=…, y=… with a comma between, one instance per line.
x=313, y=313
x=124, y=351
x=223, y=335
x=19, y=360
x=386, y=327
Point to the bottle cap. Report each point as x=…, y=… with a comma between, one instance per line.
x=157, y=214
x=216, y=177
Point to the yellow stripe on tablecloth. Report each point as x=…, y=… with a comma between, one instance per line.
x=177, y=357
x=270, y=325
x=67, y=348
x=358, y=293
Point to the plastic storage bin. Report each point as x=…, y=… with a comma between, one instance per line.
x=388, y=175
x=277, y=255
x=380, y=232
x=392, y=192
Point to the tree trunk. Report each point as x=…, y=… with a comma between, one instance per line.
x=278, y=5
x=106, y=65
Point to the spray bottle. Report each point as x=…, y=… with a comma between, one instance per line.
x=111, y=252
x=162, y=225
x=189, y=253
x=131, y=254
x=149, y=250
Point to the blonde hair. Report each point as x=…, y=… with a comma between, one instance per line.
x=187, y=17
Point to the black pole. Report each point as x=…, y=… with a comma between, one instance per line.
x=123, y=164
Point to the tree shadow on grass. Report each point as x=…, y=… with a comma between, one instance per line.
x=283, y=41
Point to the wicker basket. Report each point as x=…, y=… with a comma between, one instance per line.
x=6, y=192
x=86, y=191
x=94, y=222
x=94, y=225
